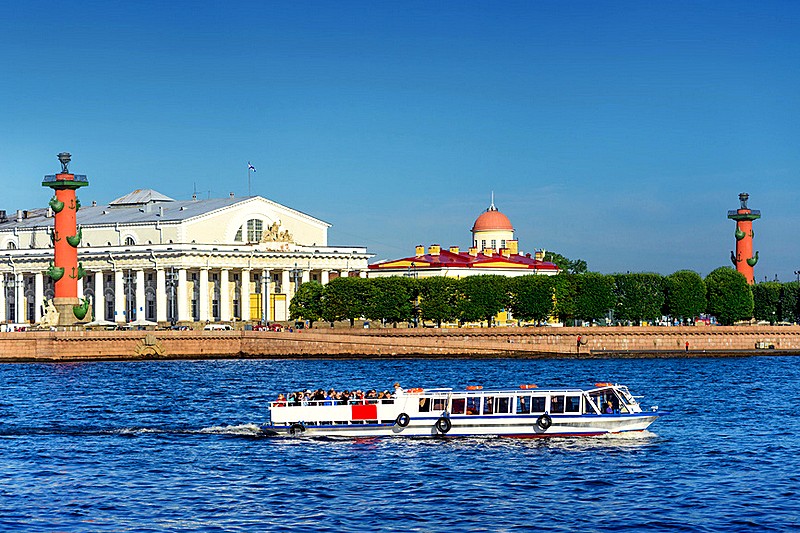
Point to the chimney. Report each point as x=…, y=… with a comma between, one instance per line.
x=513, y=246
x=194, y=197
x=435, y=249
x=231, y=195
x=19, y=215
x=49, y=213
x=94, y=203
x=473, y=251
x=161, y=210
x=3, y=215
x=420, y=250
x=454, y=249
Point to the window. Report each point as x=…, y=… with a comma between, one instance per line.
x=457, y=406
x=11, y=245
x=254, y=230
x=494, y=244
x=556, y=404
x=424, y=405
x=129, y=241
x=537, y=404
x=488, y=405
x=573, y=404
x=473, y=405
x=238, y=237
x=501, y=404
x=502, y=243
x=523, y=405
x=483, y=244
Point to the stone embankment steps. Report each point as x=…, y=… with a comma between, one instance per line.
x=389, y=342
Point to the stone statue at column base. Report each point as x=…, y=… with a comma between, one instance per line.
x=50, y=315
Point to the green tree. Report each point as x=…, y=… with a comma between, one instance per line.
x=481, y=297
x=344, y=299
x=307, y=302
x=570, y=266
x=640, y=296
x=729, y=296
x=391, y=299
x=685, y=293
x=531, y=297
x=767, y=301
x=565, y=295
x=790, y=302
x=594, y=296
x=438, y=299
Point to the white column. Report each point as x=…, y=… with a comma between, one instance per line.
x=19, y=296
x=362, y=273
x=38, y=296
x=140, y=303
x=266, y=295
x=225, y=302
x=343, y=273
x=119, y=297
x=325, y=277
x=99, y=303
x=161, y=295
x=245, y=292
x=203, y=301
x=287, y=289
x=3, y=298
x=183, y=296
x=305, y=277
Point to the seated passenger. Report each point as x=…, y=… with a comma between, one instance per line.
x=609, y=410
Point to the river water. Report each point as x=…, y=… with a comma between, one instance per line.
x=172, y=446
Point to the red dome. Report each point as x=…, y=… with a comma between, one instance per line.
x=492, y=220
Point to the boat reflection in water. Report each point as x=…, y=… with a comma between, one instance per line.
x=527, y=412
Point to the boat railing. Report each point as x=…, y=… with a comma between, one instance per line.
x=332, y=403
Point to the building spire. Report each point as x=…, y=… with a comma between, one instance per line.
x=492, y=207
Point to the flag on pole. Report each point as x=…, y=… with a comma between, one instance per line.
x=250, y=167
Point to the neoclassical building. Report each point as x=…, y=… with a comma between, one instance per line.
x=494, y=250
x=148, y=257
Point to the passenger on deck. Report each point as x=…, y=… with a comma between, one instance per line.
x=609, y=410
x=281, y=401
x=398, y=389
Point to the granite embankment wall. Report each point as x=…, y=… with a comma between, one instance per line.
x=325, y=342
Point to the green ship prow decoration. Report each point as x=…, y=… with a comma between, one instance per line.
x=81, y=309
x=55, y=273
x=753, y=260
x=56, y=205
x=739, y=234
x=75, y=240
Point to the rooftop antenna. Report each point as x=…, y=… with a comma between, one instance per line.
x=492, y=207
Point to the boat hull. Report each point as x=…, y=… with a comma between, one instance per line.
x=510, y=427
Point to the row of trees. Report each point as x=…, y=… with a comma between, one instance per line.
x=586, y=296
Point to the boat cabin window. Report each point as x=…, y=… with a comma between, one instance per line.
x=424, y=405
x=573, y=404
x=537, y=404
x=457, y=406
x=556, y=404
x=439, y=404
x=523, y=405
x=488, y=405
x=502, y=404
x=473, y=405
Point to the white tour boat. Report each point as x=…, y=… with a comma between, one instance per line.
x=527, y=412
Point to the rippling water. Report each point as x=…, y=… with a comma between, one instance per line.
x=154, y=446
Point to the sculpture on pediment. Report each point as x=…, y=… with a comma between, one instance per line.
x=273, y=233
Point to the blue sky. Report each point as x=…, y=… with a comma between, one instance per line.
x=616, y=132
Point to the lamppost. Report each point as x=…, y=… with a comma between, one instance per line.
x=172, y=283
x=295, y=273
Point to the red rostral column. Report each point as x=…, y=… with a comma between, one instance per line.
x=65, y=270
x=744, y=260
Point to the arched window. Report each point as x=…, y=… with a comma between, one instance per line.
x=129, y=241
x=254, y=228
x=11, y=245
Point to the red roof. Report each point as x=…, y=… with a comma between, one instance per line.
x=492, y=220
x=447, y=259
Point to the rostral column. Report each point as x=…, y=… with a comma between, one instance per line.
x=65, y=271
x=744, y=260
